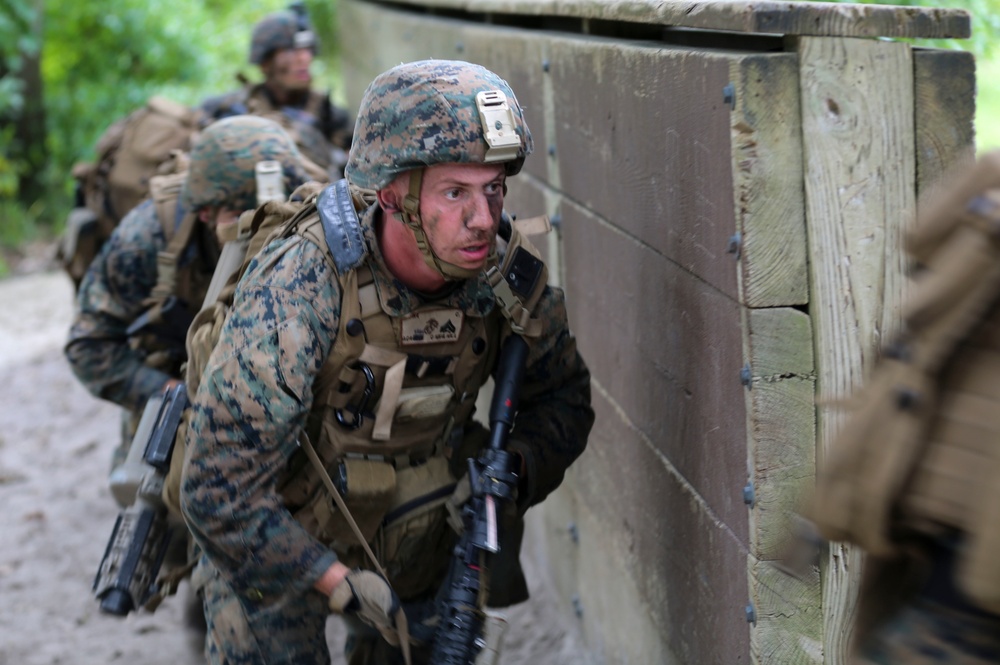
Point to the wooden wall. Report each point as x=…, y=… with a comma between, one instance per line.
x=729, y=208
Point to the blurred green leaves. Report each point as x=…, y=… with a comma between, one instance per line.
x=101, y=59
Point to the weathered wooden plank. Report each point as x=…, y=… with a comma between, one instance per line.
x=675, y=194
x=858, y=135
x=782, y=422
x=764, y=16
x=766, y=131
x=689, y=567
x=782, y=455
x=789, y=620
x=668, y=348
x=944, y=91
x=412, y=38
x=575, y=545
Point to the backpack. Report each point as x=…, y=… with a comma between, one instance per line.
x=871, y=463
x=253, y=231
x=129, y=153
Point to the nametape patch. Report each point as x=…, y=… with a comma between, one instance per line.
x=432, y=327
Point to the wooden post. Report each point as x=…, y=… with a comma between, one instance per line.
x=860, y=184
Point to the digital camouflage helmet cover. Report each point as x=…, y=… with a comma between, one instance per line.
x=435, y=112
x=281, y=30
x=224, y=158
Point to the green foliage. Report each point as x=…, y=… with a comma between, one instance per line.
x=16, y=41
x=103, y=59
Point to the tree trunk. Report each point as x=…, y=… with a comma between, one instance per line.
x=29, y=144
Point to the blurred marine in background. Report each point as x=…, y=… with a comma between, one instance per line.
x=283, y=46
x=138, y=297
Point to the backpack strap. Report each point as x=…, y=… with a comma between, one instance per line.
x=165, y=191
x=518, y=282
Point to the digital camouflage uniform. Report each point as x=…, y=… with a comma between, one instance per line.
x=321, y=129
x=119, y=284
x=258, y=392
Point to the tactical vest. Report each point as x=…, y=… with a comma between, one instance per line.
x=387, y=402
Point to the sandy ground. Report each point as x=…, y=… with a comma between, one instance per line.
x=57, y=513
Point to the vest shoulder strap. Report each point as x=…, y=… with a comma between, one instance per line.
x=518, y=283
x=165, y=190
x=341, y=226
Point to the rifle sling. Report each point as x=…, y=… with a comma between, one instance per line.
x=401, y=625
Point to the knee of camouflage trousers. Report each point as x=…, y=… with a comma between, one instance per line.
x=291, y=632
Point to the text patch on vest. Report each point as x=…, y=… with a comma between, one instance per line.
x=432, y=327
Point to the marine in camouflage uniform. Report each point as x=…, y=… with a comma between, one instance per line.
x=265, y=568
x=282, y=41
x=119, y=285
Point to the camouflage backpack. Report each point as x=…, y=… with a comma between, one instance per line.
x=129, y=153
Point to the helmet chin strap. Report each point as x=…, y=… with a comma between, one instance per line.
x=411, y=217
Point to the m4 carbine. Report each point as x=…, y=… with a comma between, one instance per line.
x=493, y=480
x=126, y=578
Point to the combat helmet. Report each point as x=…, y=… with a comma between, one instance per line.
x=223, y=161
x=280, y=30
x=435, y=112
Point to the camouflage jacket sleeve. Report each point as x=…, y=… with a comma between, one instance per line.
x=254, y=395
x=110, y=298
x=555, y=417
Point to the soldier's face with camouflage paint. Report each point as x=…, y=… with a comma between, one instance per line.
x=288, y=69
x=460, y=208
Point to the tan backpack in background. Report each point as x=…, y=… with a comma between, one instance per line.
x=129, y=153
x=873, y=459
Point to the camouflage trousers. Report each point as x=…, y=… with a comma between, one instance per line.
x=924, y=632
x=292, y=632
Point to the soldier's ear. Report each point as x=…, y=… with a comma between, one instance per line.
x=389, y=199
x=206, y=215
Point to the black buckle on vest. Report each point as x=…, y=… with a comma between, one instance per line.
x=358, y=412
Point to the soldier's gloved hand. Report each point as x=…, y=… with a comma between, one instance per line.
x=369, y=597
x=498, y=474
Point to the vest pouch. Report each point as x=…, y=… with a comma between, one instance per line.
x=425, y=402
x=415, y=541
x=367, y=487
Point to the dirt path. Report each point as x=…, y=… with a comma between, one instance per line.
x=57, y=514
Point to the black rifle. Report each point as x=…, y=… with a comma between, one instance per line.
x=168, y=322
x=126, y=578
x=493, y=481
